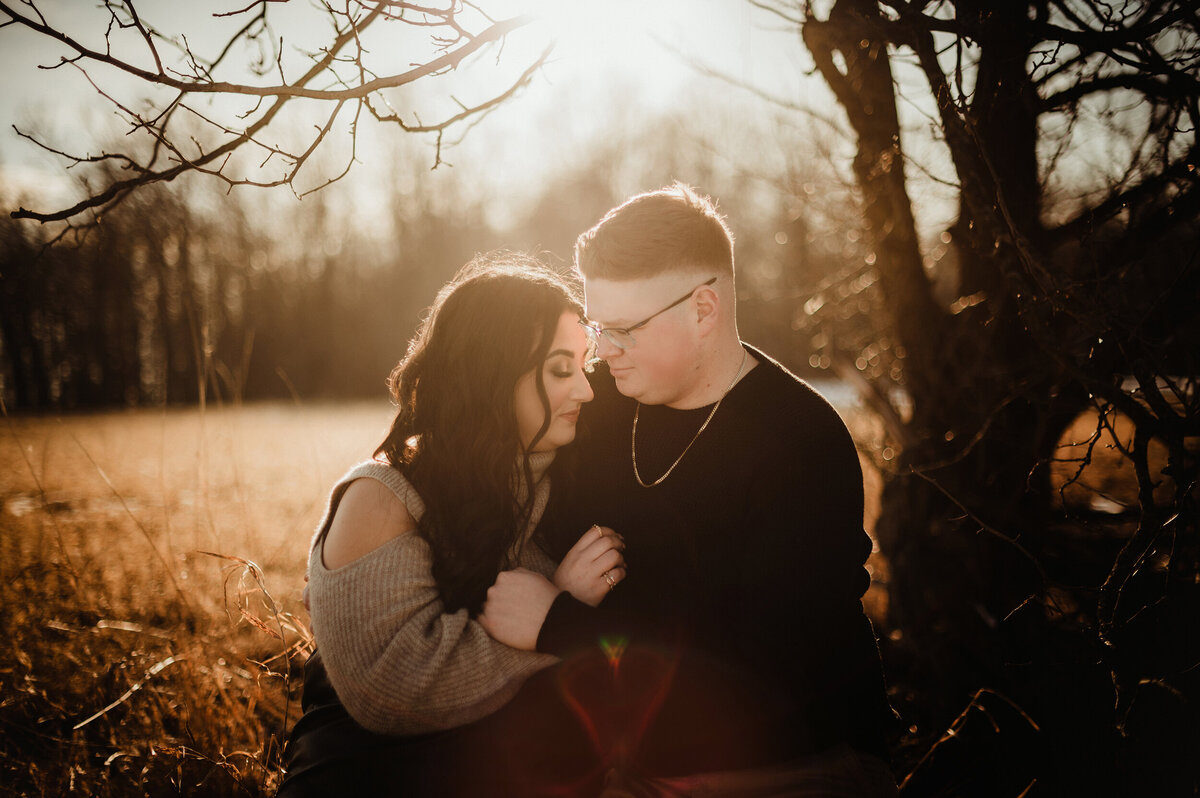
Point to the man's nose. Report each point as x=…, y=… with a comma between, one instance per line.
x=606, y=349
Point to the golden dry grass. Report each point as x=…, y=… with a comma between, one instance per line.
x=151, y=563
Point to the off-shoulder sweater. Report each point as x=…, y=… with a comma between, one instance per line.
x=398, y=661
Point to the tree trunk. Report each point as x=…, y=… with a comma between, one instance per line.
x=958, y=518
x=989, y=586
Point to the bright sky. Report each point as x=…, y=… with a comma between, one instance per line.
x=614, y=61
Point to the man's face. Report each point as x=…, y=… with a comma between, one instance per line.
x=660, y=365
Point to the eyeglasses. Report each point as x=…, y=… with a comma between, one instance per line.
x=622, y=337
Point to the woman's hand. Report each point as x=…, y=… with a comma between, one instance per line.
x=515, y=607
x=593, y=566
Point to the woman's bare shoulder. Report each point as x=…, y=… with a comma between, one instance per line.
x=368, y=516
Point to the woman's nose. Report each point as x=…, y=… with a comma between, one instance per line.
x=582, y=389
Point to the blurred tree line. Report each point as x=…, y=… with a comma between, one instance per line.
x=175, y=298
x=183, y=293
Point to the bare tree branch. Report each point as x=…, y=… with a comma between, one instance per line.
x=452, y=40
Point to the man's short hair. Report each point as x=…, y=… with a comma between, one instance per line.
x=672, y=229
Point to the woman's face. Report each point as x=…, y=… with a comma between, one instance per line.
x=566, y=384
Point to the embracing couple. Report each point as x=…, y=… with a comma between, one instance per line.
x=642, y=581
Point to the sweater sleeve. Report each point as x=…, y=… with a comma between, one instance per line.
x=571, y=625
x=399, y=663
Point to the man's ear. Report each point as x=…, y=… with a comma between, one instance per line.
x=707, y=308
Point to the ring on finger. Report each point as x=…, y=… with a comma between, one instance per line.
x=612, y=580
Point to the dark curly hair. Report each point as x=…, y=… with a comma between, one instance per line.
x=455, y=434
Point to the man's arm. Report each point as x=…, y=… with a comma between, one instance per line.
x=518, y=601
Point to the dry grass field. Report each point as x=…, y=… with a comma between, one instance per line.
x=151, y=567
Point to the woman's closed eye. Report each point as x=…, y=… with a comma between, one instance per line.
x=561, y=368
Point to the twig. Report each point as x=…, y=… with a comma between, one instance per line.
x=154, y=671
x=983, y=525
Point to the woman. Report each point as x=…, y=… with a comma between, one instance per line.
x=401, y=563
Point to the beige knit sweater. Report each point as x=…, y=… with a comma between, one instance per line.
x=399, y=662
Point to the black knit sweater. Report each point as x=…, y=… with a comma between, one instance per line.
x=746, y=639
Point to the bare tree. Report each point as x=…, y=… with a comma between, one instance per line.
x=1068, y=283
x=366, y=57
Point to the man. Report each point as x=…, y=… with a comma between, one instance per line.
x=739, y=657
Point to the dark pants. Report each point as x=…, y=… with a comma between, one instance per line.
x=533, y=746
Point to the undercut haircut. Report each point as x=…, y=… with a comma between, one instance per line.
x=674, y=229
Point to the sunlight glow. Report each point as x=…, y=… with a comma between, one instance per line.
x=620, y=35
x=652, y=45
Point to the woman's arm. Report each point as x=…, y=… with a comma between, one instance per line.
x=518, y=601
x=399, y=663
x=368, y=516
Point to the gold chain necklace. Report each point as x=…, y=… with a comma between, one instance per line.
x=713, y=412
